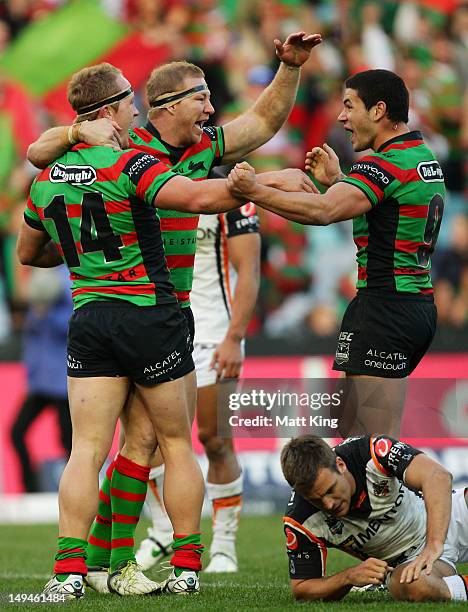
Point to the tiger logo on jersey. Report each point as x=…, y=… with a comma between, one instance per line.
x=381, y=488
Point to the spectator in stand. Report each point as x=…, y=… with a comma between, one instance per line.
x=451, y=270
x=44, y=357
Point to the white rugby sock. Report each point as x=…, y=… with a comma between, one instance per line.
x=162, y=526
x=226, y=500
x=457, y=587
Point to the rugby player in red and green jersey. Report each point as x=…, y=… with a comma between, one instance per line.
x=395, y=196
x=94, y=208
x=295, y=50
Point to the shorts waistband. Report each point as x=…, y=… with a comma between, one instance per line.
x=106, y=304
x=391, y=295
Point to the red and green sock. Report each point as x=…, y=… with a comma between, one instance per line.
x=99, y=540
x=187, y=552
x=127, y=493
x=70, y=557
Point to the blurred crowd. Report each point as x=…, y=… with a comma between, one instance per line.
x=308, y=273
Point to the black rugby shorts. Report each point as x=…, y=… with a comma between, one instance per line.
x=385, y=335
x=148, y=344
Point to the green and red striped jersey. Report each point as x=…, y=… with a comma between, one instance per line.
x=396, y=238
x=96, y=204
x=179, y=230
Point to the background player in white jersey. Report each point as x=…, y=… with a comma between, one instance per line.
x=363, y=497
x=225, y=288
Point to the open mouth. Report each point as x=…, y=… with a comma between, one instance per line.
x=200, y=124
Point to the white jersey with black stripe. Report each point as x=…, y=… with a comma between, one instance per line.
x=214, y=277
x=386, y=519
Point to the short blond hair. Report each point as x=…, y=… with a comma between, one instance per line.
x=170, y=77
x=92, y=84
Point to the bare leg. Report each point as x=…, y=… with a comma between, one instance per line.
x=223, y=466
x=167, y=407
x=372, y=405
x=425, y=588
x=95, y=405
x=224, y=481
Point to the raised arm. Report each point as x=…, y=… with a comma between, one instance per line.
x=260, y=122
x=342, y=201
x=55, y=142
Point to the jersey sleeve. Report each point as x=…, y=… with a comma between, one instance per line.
x=146, y=174
x=32, y=217
x=372, y=176
x=216, y=136
x=307, y=554
x=392, y=456
x=243, y=220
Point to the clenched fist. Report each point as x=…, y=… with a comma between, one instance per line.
x=242, y=181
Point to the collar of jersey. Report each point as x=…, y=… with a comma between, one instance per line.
x=415, y=135
x=175, y=152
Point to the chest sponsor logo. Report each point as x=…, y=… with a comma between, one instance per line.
x=430, y=172
x=291, y=539
x=381, y=488
x=356, y=544
x=75, y=175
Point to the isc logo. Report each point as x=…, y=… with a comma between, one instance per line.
x=346, y=336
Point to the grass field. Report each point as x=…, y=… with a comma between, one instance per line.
x=26, y=552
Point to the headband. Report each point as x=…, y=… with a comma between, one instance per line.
x=176, y=96
x=84, y=110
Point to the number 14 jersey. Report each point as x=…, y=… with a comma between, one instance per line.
x=96, y=204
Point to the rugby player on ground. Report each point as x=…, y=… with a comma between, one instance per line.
x=364, y=498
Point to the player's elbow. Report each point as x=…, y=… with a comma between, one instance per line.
x=301, y=591
x=25, y=255
x=34, y=156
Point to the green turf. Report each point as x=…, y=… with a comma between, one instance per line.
x=26, y=553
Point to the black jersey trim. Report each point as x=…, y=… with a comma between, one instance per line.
x=219, y=268
x=358, y=187
x=37, y=225
x=382, y=223
x=148, y=231
x=414, y=135
x=171, y=176
x=221, y=133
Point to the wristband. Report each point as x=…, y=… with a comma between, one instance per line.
x=71, y=139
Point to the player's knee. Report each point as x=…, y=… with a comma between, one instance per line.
x=216, y=448
x=416, y=591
